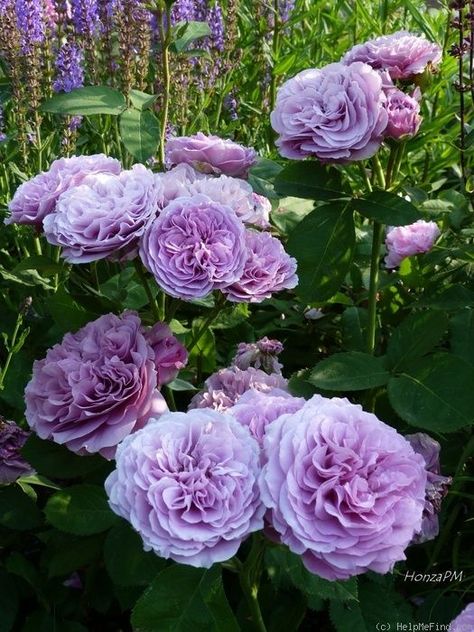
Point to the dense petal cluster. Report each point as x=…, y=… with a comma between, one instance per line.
x=257, y=409
x=403, y=111
x=436, y=484
x=95, y=387
x=36, y=198
x=268, y=269
x=406, y=241
x=105, y=214
x=464, y=622
x=12, y=464
x=170, y=355
x=69, y=68
x=260, y=355
x=210, y=154
x=194, y=246
x=335, y=113
x=224, y=388
x=343, y=489
x=188, y=483
x=402, y=54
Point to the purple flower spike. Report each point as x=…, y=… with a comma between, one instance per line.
x=69, y=68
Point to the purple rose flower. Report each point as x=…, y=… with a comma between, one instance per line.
x=177, y=182
x=170, y=354
x=402, y=54
x=406, y=241
x=260, y=355
x=403, y=114
x=263, y=208
x=106, y=213
x=436, y=485
x=464, y=622
x=335, y=113
x=37, y=198
x=344, y=490
x=210, y=154
x=194, y=246
x=237, y=194
x=95, y=387
x=224, y=388
x=268, y=269
x=188, y=484
x=257, y=409
x=12, y=464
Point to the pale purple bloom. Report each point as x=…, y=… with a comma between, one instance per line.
x=69, y=68
x=210, y=154
x=257, y=410
x=12, y=464
x=335, y=113
x=31, y=24
x=170, y=354
x=177, y=182
x=464, y=622
x=224, y=388
x=237, y=194
x=261, y=355
x=344, y=490
x=268, y=269
x=436, y=484
x=34, y=199
x=262, y=208
x=95, y=387
x=104, y=215
x=402, y=54
x=403, y=111
x=215, y=20
x=285, y=9
x=188, y=483
x=406, y=241
x=194, y=246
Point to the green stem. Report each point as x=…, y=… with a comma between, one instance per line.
x=165, y=37
x=11, y=352
x=373, y=285
x=275, y=50
x=146, y=286
x=37, y=244
x=250, y=574
x=205, y=326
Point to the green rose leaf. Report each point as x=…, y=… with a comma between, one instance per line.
x=87, y=102
x=140, y=133
x=387, y=208
x=349, y=371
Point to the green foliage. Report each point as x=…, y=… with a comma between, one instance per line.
x=87, y=102
x=80, y=509
x=387, y=208
x=349, y=371
x=140, y=133
x=309, y=180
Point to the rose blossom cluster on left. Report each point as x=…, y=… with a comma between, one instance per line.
x=195, y=232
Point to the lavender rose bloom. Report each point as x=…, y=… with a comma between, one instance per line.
x=210, y=154
x=12, y=464
x=257, y=409
x=188, y=483
x=170, y=354
x=344, y=490
x=335, y=113
x=268, y=269
x=406, y=241
x=177, y=182
x=95, y=387
x=403, y=110
x=194, y=246
x=464, y=622
x=436, y=485
x=37, y=198
x=105, y=214
x=402, y=54
x=224, y=388
x=261, y=355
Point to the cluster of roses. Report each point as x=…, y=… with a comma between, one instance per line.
x=345, y=110
x=195, y=232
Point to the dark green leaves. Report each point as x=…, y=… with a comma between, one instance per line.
x=80, y=509
x=323, y=244
x=309, y=180
x=140, y=133
x=87, y=101
x=56, y=461
x=184, y=598
x=435, y=393
x=462, y=335
x=351, y=371
x=387, y=208
x=17, y=510
x=186, y=32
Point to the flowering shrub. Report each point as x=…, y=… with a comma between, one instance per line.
x=236, y=357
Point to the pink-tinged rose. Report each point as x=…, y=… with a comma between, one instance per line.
x=170, y=355
x=210, y=154
x=95, y=387
x=188, y=484
x=405, y=241
x=403, y=110
x=402, y=54
x=335, y=113
x=37, y=197
x=343, y=490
